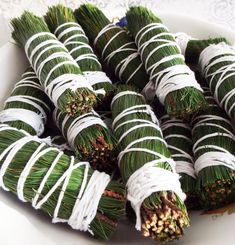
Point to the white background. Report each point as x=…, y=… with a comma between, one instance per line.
x=217, y=11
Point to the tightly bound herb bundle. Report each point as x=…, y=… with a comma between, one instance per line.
x=89, y=136
x=58, y=73
x=173, y=81
x=146, y=167
x=67, y=190
x=62, y=22
x=214, y=149
x=28, y=106
x=178, y=136
x=191, y=48
x=113, y=45
x=218, y=65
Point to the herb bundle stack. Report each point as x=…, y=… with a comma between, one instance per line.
x=147, y=168
x=113, y=45
x=218, y=65
x=66, y=189
x=62, y=22
x=89, y=136
x=191, y=48
x=214, y=148
x=58, y=73
x=173, y=81
x=177, y=134
x=28, y=106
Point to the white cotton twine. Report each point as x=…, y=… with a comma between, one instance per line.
x=214, y=52
x=78, y=124
x=97, y=77
x=71, y=39
x=182, y=40
x=32, y=101
x=186, y=166
x=215, y=158
x=217, y=155
x=86, y=205
x=142, y=183
x=171, y=78
x=28, y=82
x=127, y=47
x=124, y=93
x=36, y=121
x=10, y=152
x=60, y=84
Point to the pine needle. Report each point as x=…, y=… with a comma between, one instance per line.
x=72, y=102
x=112, y=202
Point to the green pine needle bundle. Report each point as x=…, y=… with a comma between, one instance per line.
x=62, y=22
x=217, y=66
x=58, y=73
x=89, y=136
x=191, y=48
x=214, y=148
x=113, y=44
x=177, y=134
x=28, y=107
x=146, y=167
x=68, y=191
x=174, y=82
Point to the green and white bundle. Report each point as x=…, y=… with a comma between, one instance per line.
x=171, y=79
x=177, y=134
x=90, y=137
x=28, y=106
x=61, y=186
x=58, y=72
x=113, y=44
x=191, y=47
x=147, y=168
x=214, y=149
x=62, y=22
x=218, y=67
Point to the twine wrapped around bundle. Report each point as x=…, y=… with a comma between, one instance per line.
x=191, y=47
x=214, y=148
x=62, y=23
x=61, y=186
x=57, y=71
x=171, y=79
x=146, y=167
x=177, y=134
x=113, y=44
x=89, y=136
x=218, y=67
x=28, y=107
